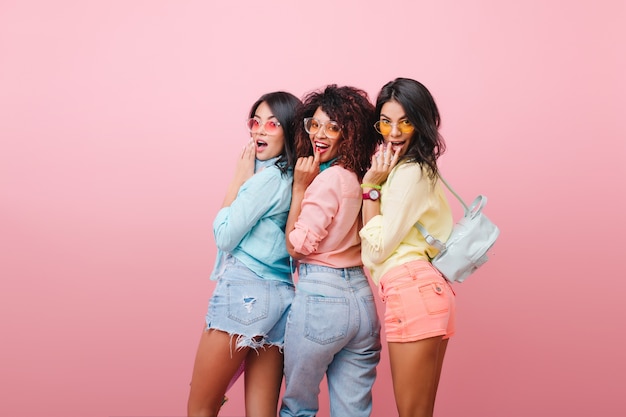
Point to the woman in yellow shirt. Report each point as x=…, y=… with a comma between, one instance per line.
x=401, y=188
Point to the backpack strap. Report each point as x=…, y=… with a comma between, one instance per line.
x=430, y=239
x=454, y=193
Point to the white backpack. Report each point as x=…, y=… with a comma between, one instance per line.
x=466, y=248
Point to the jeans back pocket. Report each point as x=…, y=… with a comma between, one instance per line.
x=327, y=319
x=248, y=302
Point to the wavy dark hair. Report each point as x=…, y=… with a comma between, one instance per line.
x=352, y=109
x=284, y=107
x=420, y=108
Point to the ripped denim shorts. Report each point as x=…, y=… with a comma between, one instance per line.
x=248, y=307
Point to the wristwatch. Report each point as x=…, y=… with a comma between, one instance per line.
x=372, y=194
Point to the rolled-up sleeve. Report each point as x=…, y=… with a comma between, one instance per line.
x=371, y=238
x=303, y=239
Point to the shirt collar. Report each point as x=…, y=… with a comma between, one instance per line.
x=327, y=164
x=259, y=165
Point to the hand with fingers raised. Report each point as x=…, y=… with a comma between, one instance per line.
x=306, y=169
x=383, y=161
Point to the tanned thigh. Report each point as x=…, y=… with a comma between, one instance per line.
x=217, y=360
x=414, y=368
x=263, y=378
x=440, y=356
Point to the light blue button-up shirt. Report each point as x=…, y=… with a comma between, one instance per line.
x=252, y=228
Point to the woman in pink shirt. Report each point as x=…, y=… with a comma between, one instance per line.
x=333, y=327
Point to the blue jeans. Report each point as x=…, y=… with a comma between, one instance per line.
x=333, y=329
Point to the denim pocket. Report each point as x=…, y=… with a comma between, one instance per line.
x=435, y=297
x=248, y=302
x=326, y=319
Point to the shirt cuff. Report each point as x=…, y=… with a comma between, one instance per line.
x=304, y=241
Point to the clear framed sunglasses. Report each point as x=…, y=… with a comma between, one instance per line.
x=331, y=129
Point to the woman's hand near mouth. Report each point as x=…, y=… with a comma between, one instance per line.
x=243, y=171
x=383, y=161
x=306, y=170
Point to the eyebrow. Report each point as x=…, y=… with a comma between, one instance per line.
x=404, y=116
x=271, y=116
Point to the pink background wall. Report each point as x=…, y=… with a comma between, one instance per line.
x=119, y=122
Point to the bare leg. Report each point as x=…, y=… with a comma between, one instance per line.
x=442, y=353
x=415, y=369
x=263, y=377
x=216, y=362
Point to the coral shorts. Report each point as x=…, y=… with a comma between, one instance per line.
x=419, y=303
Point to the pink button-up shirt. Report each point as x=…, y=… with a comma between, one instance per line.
x=327, y=230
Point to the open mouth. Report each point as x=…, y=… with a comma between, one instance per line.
x=260, y=145
x=321, y=147
x=397, y=145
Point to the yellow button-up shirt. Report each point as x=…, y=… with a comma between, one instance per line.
x=391, y=239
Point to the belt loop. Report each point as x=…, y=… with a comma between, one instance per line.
x=411, y=267
x=407, y=270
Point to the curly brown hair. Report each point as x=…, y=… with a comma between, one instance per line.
x=352, y=109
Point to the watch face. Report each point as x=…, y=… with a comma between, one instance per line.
x=374, y=194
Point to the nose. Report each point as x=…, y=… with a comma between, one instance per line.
x=321, y=132
x=261, y=131
x=395, y=131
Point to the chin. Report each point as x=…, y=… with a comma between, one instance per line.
x=265, y=156
x=327, y=157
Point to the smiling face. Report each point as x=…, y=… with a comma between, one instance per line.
x=393, y=113
x=268, y=145
x=328, y=148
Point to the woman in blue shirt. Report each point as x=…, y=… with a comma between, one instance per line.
x=245, y=322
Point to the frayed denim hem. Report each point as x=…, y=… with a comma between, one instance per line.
x=242, y=341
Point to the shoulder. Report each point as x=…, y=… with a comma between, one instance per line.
x=407, y=172
x=337, y=173
x=409, y=167
x=271, y=175
x=339, y=180
x=267, y=184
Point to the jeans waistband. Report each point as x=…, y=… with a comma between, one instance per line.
x=340, y=272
